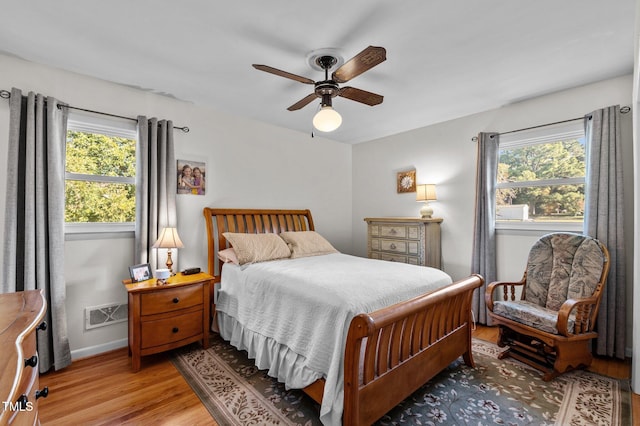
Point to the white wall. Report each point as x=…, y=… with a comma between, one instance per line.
x=445, y=155
x=249, y=164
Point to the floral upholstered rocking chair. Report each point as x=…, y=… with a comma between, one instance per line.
x=547, y=318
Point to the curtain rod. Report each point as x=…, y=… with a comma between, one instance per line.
x=623, y=110
x=5, y=94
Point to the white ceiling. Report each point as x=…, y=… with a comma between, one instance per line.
x=445, y=59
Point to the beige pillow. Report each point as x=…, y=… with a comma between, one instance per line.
x=228, y=255
x=252, y=248
x=307, y=243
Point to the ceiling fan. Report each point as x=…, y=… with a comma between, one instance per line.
x=328, y=119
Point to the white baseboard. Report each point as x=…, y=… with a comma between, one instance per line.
x=98, y=349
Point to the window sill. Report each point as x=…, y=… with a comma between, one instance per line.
x=93, y=231
x=524, y=227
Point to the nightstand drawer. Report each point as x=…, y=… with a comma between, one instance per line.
x=172, y=329
x=168, y=300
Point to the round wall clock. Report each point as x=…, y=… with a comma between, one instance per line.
x=407, y=181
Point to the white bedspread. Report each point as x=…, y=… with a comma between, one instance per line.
x=306, y=304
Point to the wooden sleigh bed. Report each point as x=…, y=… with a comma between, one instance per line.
x=390, y=352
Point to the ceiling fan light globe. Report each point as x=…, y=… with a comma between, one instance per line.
x=327, y=119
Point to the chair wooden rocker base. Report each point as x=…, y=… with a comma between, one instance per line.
x=552, y=361
x=547, y=318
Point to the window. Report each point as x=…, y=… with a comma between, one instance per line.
x=541, y=178
x=100, y=175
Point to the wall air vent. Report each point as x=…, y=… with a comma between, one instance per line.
x=99, y=316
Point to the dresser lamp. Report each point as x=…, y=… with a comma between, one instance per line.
x=169, y=239
x=426, y=193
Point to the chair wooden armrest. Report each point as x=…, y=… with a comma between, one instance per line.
x=506, y=294
x=585, y=309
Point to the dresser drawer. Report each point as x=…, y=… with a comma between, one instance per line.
x=168, y=300
x=27, y=416
x=26, y=389
x=172, y=329
x=394, y=231
x=29, y=377
x=398, y=246
x=393, y=257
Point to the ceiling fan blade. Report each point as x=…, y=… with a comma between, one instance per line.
x=363, y=61
x=361, y=96
x=285, y=74
x=303, y=102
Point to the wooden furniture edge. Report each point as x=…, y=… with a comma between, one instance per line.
x=179, y=280
x=32, y=314
x=393, y=351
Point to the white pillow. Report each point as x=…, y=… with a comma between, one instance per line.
x=307, y=243
x=228, y=255
x=252, y=248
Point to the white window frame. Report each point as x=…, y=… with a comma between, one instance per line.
x=112, y=127
x=541, y=135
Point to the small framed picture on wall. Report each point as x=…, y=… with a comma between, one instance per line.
x=406, y=181
x=191, y=177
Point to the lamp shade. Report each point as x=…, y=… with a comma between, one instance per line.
x=168, y=238
x=327, y=119
x=426, y=192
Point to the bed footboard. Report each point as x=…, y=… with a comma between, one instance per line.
x=391, y=352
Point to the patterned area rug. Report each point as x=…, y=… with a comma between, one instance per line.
x=500, y=392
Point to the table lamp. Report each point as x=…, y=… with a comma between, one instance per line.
x=426, y=193
x=169, y=239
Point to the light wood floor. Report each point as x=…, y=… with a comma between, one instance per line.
x=102, y=390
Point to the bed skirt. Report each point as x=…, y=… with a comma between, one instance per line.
x=280, y=362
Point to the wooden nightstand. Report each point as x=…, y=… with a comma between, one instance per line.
x=163, y=317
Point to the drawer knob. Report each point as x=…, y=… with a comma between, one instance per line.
x=42, y=393
x=393, y=231
x=176, y=300
x=22, y=401
x=31, y=362
x=42, y=326
x=393, y=246
x=175, y=329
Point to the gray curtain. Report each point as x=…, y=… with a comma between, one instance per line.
x=34, y=217
x=156, y=185
x=604, y=221
x=483, y=260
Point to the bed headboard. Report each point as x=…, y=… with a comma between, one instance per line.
x=249, y=221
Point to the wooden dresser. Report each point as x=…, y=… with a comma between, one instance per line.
x=167, y=316
x=404, y=239
x=21, y=315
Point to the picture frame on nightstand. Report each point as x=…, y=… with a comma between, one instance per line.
x=140, y=272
